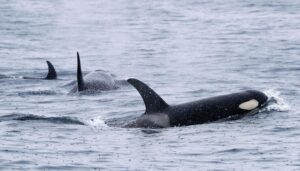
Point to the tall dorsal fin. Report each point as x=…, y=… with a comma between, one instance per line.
x=79, y=75
x=153, y=102
x=51, y=72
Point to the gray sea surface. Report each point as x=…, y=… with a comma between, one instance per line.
x=185, y=50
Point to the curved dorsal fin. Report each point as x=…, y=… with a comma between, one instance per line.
x=79, y=75
x=153, y=102
x=51, y=72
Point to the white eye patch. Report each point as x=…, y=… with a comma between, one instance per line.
x=249, y=105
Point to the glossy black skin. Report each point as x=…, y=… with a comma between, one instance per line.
x=212, y=109
x=196, y=112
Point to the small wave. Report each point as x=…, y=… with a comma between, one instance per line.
x=3, y=76
x=12, y=77
x=31, y=117
x=37, y=93
x=284, y=129
x=276, y=102
x=151, y=131
x=232, y=150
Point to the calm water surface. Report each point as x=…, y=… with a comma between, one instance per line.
x=185, y=50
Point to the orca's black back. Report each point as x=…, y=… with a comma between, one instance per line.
x=212, y=109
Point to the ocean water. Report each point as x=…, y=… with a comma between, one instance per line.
x=185, y=50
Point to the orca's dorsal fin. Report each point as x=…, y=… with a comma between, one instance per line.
x=51, y=72
x=79, y=75
x=153, y=102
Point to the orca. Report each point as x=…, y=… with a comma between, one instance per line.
x=51, y=73
x=159, y=114
x=98, y=80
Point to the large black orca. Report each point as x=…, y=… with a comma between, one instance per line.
x=159, y=114
x=51, y=73
x=98, y=80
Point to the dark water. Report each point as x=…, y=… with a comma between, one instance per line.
x=185, y=50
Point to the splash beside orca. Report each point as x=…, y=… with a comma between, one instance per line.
x=159, y=114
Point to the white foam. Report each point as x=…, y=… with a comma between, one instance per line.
x=96, y=122
x=277, y=103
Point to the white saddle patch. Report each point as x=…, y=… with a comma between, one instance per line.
x=249, y=105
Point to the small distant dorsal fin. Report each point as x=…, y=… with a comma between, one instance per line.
x=51, y=72
x=79, y=75
x=153, y=102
